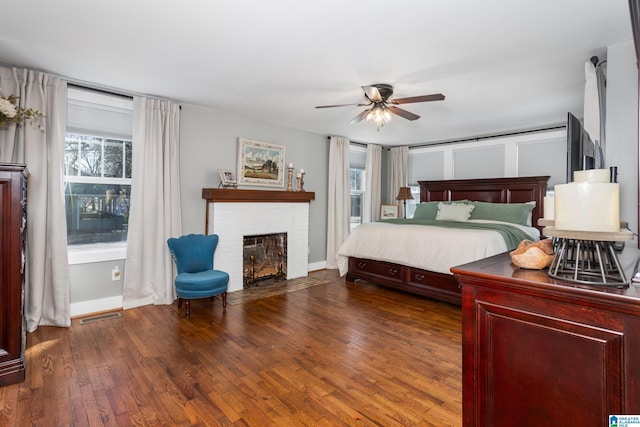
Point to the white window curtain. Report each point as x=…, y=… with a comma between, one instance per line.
x=155, y=203
x=42, y=150
x=339, y=198
x=594, y=108
x=373, y=183
x=398, y=158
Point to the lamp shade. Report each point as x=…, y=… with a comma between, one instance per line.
x=404, y=194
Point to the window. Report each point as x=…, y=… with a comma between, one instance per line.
x=98, y=154
x=97, y=188
x=357, y=169
x=411, y=204
x=357, y=179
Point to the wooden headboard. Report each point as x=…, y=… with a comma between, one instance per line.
x=496, y=190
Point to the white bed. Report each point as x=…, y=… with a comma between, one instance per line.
x=422, y=246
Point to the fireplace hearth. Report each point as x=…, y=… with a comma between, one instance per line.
x=264, y=259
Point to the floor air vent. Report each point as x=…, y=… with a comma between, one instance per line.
x=105, y=316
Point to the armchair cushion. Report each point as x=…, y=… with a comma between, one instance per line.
x=202, y=284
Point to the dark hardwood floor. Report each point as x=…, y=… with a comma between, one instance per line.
x=335, y=354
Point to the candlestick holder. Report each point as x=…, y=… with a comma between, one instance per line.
x=301, y=181
x=290, y=176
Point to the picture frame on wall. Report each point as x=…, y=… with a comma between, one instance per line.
x=260, y=163
x=389, y=212
x=227, y=178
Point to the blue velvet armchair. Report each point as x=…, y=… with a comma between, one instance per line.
x=193, y=255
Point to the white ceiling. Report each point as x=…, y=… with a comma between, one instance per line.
x=503, y=65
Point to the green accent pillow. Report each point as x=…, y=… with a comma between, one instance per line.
x=426, y=210
x=429, y=210
x=517, y=213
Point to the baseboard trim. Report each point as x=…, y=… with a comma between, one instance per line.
x=106, y=304
x=314, y=266
x=95, y=306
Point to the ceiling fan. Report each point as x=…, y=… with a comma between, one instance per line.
x=377, y=96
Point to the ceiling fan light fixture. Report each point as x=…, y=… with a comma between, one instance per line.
x=379, y=115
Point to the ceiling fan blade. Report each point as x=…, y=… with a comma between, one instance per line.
x=339, y=105
x=372, y=93
x=403, y=113
x=359, y=117
x=423, y=98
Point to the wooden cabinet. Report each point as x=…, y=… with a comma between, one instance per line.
x=13, y=205
x=539, y=351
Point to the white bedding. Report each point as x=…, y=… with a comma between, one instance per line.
x=426, y=247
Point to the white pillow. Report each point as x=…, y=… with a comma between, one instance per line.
x=454, y=212
x=530, y=217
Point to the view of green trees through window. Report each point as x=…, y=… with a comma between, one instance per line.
x=97, y=188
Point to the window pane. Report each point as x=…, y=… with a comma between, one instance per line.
x=96, y=212
x=356, y=210
x=356, y=177
x=90, y=157
x=71, y=156
x=113, y=159
x=127, y=159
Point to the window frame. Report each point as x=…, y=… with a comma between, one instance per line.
x=99, y=251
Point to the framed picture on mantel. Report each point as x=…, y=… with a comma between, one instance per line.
x=260, y=163
x=227, y=178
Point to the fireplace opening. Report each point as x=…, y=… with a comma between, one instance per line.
x=264, y=259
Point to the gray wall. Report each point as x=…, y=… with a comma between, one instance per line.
x=209, y=141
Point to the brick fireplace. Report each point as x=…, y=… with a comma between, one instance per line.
x=233, y=214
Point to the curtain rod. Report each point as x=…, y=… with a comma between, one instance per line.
x=498, y=135
x=114, y=92
x=99, y=89
x=362, y=144
x=474, y=138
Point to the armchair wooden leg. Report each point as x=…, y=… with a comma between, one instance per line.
x=187, y=307
x=224, y=299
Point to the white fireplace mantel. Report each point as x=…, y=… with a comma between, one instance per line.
x=233, y=214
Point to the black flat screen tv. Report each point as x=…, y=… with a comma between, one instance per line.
x=580, y=148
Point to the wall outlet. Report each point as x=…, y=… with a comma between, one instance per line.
x=115, y=273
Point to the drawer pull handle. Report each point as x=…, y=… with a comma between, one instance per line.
x=393, y=271
x=419, y=276
x=362, y=265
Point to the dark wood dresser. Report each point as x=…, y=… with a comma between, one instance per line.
x=538, y=351
x=13, y=208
